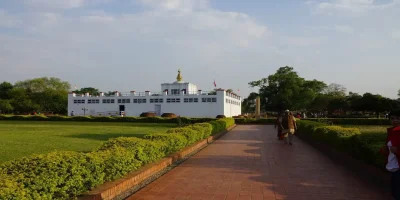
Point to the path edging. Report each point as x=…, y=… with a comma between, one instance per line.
x=365, y=171
x=110, y=190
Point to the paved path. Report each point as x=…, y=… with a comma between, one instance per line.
x=250, y=163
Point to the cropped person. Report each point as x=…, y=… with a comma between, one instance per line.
x=279, y=127
x=288, y=125
x=392, y=152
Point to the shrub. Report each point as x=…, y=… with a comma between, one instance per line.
x=65, y=174
x=174, y=141
x=362, y=146
x=143, y=150
x=220, y=116
x=352, y=121
x=191, y=135
x=169, y=115
x=242, y=120
x=148, y=114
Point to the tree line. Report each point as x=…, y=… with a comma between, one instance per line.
x=48, y=95
x=285, y=89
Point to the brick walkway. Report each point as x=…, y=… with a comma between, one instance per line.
x=250, y=163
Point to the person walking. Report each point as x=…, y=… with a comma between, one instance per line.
x=279, y=127
x=288, y=125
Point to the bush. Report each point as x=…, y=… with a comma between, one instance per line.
x=352, y=121
x=65, y=175
x=148, y=114
x=220, y=116
x=151, y=119
x=174, y=141
x=269, y=121
x=362, y=146
x=169, y=115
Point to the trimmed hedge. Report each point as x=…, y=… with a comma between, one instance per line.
x=66, y=174
x=363, y=147
x=352, y=121
x=269, y=121
x=169, y=115
x=184, y=120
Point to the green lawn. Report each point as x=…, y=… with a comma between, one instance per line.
x=22, y=138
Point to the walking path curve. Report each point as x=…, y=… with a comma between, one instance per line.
x=250, y=163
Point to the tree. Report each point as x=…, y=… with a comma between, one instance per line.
x=287, y=90
x=335, y=90
x=90, y=90
x=43, y=84
x=5, y=88
x=5, y=106
x=41, y=94
x=249, y=103
x=398, y=93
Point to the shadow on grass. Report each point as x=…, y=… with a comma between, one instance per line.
x=104, y=136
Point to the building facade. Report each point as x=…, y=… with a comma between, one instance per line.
x=181, y=98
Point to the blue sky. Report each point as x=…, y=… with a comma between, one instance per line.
x=129, y=45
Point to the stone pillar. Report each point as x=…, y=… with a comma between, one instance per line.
x=258, y=108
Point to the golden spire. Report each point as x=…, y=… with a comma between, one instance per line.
x=179, y=77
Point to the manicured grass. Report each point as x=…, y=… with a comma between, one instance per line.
x=23, y=138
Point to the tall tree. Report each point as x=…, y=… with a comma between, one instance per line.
x=335, y=89
x=5, y=88
x=287, y=90
x=44, y=94
x=248, y=104
x=90, y=90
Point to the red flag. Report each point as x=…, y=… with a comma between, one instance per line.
x=238, y=90
x=215, y=85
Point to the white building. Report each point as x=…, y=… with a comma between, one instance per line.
x=181, y=98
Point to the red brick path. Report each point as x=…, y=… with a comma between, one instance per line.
x=250, y=163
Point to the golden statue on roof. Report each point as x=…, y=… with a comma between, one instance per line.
x=179, y=77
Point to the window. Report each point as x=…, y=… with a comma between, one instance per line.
x=79, y=101
x=186, y=100
x=93, y=101
x=108, y=101
x=174, y=91
x=203, y=99
x=191, y=100
x=196, y=100
x=208, y=99
x=124, y=101
x=214, y=99
x=141, y=100
x=173, y=100
x=135, y=100
x=156, y=100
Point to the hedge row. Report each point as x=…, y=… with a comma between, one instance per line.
x=363, y=147
x=65, y=174
x=352, y=121
x=331, y=121
x=255, y=121
x=184, y=120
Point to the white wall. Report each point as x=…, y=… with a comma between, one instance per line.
x=193, y=109
x=232, y=106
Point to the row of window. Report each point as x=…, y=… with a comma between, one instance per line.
x=232, y=102
x=169, y=100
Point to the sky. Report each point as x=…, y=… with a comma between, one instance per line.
x=125, y=45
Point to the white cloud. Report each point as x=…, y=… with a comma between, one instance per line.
x=356, y=7
x=181, y=5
